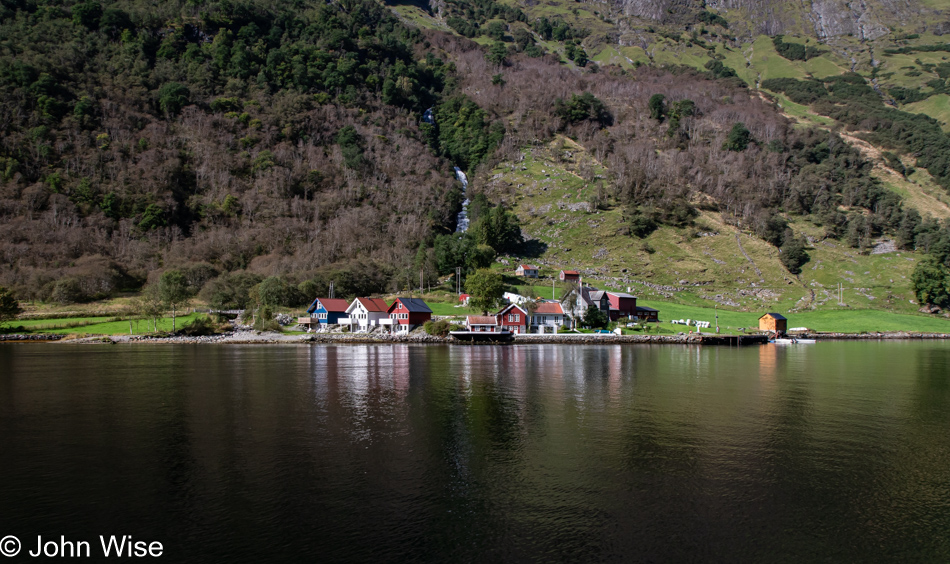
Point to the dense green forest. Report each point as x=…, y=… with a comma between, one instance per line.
x=236, y=141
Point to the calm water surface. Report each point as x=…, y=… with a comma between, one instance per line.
x=838, y=452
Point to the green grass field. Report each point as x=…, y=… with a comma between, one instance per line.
x=98, y=326
x=839, y=321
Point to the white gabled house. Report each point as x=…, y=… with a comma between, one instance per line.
x=527, y=270
x=366, y=313
x=548, y=317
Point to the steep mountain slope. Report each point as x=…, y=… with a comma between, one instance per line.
x=250, y=140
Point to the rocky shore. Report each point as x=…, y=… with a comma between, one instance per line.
x=248, y=337
x=36, y=337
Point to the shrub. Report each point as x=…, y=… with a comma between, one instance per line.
x=199, y=327
x=438, y=328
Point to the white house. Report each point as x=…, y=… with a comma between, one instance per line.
x=366, y=313
x=548, y=317
x=527, y=270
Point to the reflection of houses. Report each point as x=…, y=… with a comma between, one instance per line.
x=548, y=316
x=408, y=313
x=774, y=322
x=366, y=313
x=569, y=276
x=527, y=270
x=323, y=312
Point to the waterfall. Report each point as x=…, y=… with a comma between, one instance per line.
x=462, y=221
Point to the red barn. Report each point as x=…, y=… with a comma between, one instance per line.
x=408, y=313
x=569, y=276
x=621, y=305
x=513, y=318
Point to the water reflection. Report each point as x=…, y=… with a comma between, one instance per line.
x=399, y=452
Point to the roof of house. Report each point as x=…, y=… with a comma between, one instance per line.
x=481, y=320
x=571, y=272
x=621, y=295
x=549, y=308
x=413, y=305
x=644, y=308
x=329, y=304
x=510, y=306
x=528, y=267
x=373, y=304
x=597, y=296
x=775, y=316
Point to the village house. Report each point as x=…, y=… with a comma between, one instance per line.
x=615, y=305
x=513, y=318
x=527, y=270
x=408, y=313
x=569, y=276
x=576, y=302
x=548, y=317
x=324, y=312
x=482, y=323
x=621, y=305
x=774, y=322
x=648, y=314
x=366, y=313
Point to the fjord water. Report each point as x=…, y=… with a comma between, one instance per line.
x=835, y=452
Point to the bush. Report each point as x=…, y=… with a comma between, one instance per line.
x=793, y=254
x=641, y=224
x=200, y=327
x=595, y=318
x=738, y=139
x=67, y=291
x=264, y=321
x=438, y=328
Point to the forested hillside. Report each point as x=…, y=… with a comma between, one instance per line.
x=240, y=140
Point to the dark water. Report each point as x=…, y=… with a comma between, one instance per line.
x=838, y=452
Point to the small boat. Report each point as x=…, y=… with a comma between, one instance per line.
x=794, y=341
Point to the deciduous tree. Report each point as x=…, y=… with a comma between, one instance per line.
x=486, y=288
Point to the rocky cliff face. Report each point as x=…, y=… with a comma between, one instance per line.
x=864, y=19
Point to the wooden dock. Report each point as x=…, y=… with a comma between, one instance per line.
x=734, y=340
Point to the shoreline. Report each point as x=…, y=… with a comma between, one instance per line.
x=267, y=338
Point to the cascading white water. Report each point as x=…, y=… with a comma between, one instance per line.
x=462, y=221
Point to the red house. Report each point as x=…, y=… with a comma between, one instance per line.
x=621, y=305
x=408, y=313
x=513, y=318
x=569, y=276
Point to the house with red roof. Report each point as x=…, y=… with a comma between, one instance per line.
x=548, y=317
x=324, y=312
x=482, y=323
x=527, y=270
x=408, y=313
x=569, y=276
x=366, y=313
